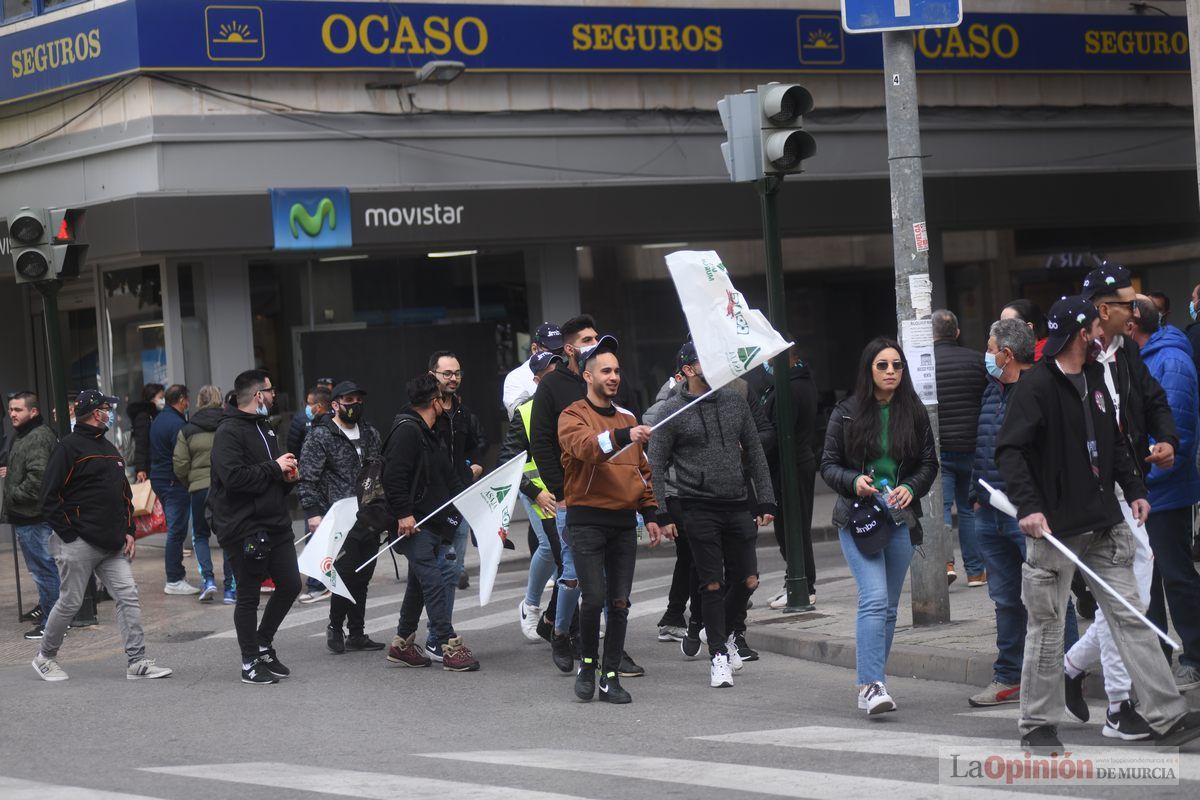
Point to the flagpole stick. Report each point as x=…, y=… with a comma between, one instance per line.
x=668, y=418
x=1000, y=502
x=302, y=538
x=434, y=513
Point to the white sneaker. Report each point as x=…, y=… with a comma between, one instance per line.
x=180, y=587
x=874, y=699
x=146, y=668
x=720, y=676
x=48, y=669
x=735, y=658
x=778, y=601
x=315, y=596
x=529, y=616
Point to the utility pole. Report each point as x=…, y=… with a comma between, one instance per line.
x=1193, y=15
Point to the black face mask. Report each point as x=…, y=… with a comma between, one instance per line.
x=351, y=414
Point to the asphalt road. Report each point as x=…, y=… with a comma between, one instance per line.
x=352, y=726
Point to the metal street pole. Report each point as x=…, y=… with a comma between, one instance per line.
x=796, y=583
x=1193, y=14
x=930, y=594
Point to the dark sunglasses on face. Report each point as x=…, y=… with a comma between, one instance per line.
x=883, y=365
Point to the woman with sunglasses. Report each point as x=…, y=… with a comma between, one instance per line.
x=879, y=444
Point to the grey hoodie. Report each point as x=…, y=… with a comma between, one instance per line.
x=704, y=446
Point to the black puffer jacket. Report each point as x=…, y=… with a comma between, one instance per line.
x=961, y=379
x=84, y=492
x=141, y=414
x=248, y=494
x=918, y=473
x=329, y=464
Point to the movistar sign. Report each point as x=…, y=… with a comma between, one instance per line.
x=311, y=219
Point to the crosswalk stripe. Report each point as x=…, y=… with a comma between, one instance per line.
x=732, y=777
x=351, y=783
x=17, y=789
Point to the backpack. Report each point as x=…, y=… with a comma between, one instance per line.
x=373, y=514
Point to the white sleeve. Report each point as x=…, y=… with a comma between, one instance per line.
x=519, y=386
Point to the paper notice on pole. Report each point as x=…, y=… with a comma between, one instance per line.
x=921, y=236
x=916, y=337
x=916, y=333
x=920, y=291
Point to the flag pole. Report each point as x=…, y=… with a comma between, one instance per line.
x=999, y=501
x=435, y=512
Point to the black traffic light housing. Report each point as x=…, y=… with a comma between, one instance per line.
x=46, y=243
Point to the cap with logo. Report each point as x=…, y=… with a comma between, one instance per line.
x=325, y=381
x=1104, y=279
x=347, y=387
x=686, y=356
x=548, y=336
x=605, y=344
x=89, y=400
x=538, y=362
x=1067, y=317
x=870, y=525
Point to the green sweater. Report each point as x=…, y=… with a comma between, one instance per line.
x=885, y=466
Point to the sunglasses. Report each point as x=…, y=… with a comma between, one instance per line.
x=882, y=366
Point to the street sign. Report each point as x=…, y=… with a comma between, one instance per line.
x=870, y=16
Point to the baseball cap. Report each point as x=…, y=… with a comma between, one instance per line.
x=605, y=344
x=1067, y=317
x=325, y=381
x=1106, y=278
x=347, y=387
x=870, y=525
x=548, y=336
x=686, y=356
x=89, y=400
x=539, y=361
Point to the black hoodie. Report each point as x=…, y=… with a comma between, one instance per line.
x=84, y=491
x=557, y=390
x=141, y=413
x=248, y=493
x=417, y=475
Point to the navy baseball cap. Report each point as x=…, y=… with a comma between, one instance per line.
x=548, y=336
x=686, y=356
x=1067, y=317
x=538, y=362
x=89, y=400
x=870, y=525
x=1106, y=278
x=605, y=344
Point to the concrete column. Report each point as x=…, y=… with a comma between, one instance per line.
x=552, y=283
x=230, y=332
x=172, y=328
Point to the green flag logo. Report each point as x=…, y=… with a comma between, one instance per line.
x=747, y=354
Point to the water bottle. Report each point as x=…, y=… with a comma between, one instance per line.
x=885, y=487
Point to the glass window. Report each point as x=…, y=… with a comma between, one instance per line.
x=16, y=8
x=49, y=4
x=133, y=314
x=193, y=319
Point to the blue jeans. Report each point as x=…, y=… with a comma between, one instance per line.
x=880, y=578
x=35, y=544
x=1002, y=546
x=541, y=566
x=451, y=568
x=177, y=505
x=956, y=483
x=568, y=596
x=200, y=543
x=426, y=587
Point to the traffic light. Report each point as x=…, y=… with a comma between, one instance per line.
x=45, y=243
x=784, y=143
x=739, y=114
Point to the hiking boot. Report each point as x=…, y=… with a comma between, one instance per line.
x=690, y=644
x=874, y=699
x=48, y=669
x=974, y=581
x=720, y=675
x=996, y=694
x=611, y=691
x=360, y=642
x=628, y=668
x=951, y=575
x=745, y=651
x=1042, y=740
x=146, y=668
x=335, y=639
x=1125, y=723
x=273, y=664
x=1182, y=731
x=529, y=617
x=456, y=657
x=1076, y=705
x=256, y=673
x=585, y=681
x=406, y=653
x=1186, y=677
x=180, y=587
x=560, y=651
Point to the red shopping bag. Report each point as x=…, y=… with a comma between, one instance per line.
x=154, y=522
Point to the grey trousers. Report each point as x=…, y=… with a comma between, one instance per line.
x=1045, y=584
x=76, y=562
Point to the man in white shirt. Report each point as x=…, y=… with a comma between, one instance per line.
x=519, y=385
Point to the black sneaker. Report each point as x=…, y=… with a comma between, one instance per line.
x=628, y=668
x=273, y=664
x=1076, y=705
x=335, y=639
x=585, y=681
x=257, y=673
x=1126, y=724
x=1042, y=740
x=564, y=659
x=463, y=581
x=34, y=614
x=1181, y=732
x=611, y=691
x=37, y=632
x=434, y=652
x=361, y=641
x=545, y=629
x=744, y=650
x=691, y=643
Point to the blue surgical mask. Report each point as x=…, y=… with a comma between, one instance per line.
x=768, y=367
x=994, y=369
x=1192, y=312
x=308, y=412
x=261, y=410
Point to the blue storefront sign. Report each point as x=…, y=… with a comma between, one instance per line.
x=311, y=219
x=299, y=36
x=863, y=16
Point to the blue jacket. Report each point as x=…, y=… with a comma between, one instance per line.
x=991, y=418
x=163, y=433
x=1168, y=356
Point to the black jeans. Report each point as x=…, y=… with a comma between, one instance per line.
x=1170, y=534
x=550, y=527
x=723, y=547
x=604, y=562
x=280, y=566
x=805, y=490
x=426, y=587
x=354, y=552
x=683, y=579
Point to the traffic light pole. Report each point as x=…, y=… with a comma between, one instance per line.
x=1193, y=15
x=930, y=595
x=796, y=583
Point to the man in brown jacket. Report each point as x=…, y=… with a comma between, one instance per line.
x=605, y=486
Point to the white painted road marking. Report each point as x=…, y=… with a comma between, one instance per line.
x=17, y=789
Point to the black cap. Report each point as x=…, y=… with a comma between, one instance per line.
x=548, y=336
x=686, y=356
x=346, y=387
x=539, y=361
x=89, y=400
x=870, y=525
x=605, y=344
x=1067, y=317
x=1104, y=279
x=325, y=381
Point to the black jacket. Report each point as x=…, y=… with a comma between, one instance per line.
x=31, y=448
x=804, y=415
x=141, y=414
x=297, y=432
x=557, y=390
x=837, y=471
x=84, y=492
x=417, y=475
x=329, y=464
x=463, y=438
x=961, y=379
x=1042, y=452
x=1145, y=411
x=1193, y=335
x=248, y=493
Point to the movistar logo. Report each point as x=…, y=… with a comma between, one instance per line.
x=312, y=223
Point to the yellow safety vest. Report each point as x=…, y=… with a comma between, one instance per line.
x=531, y=470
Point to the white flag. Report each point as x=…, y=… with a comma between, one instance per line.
x=730, y=337
x=322, y=549
x=487, y=507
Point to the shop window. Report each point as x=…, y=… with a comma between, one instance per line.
x=193, y=320
x=14, y=9
x=134, y=319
